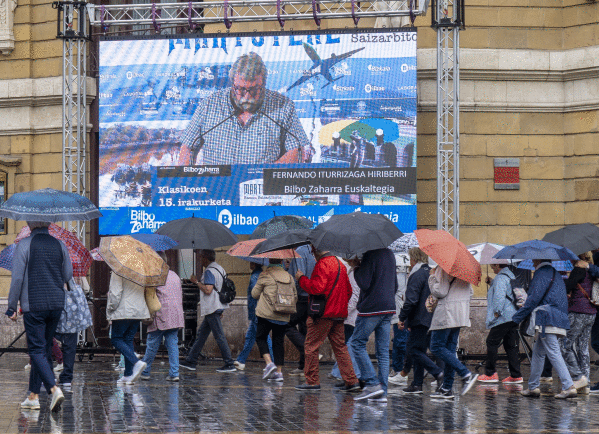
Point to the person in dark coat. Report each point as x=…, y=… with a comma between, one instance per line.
x=415, y=317
x=41, y=269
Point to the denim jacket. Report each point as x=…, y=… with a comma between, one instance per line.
x=500, y=299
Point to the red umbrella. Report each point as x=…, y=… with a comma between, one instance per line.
x=451, y=254
x=244, y=249
x=80, y=256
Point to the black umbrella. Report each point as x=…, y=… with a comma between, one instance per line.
x=351, y=234
x=578, y=238
x=285, y=240
x=198, y=233
x=280, y=224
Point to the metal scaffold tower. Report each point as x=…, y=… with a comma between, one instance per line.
x=448, y=19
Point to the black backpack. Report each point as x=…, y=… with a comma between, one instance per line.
x=227, y=291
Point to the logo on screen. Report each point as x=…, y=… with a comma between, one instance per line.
x=225, y=217
x=370, y=88
x=405, y=67
x=141, y=219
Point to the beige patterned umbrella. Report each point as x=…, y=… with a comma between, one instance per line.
x=134, y=260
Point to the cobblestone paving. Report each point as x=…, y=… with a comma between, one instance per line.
x=206, y=401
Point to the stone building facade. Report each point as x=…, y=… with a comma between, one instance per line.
x=529, y=90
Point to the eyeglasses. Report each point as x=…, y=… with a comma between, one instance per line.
x=252, y=91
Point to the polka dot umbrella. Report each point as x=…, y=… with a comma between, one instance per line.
x=450, y=254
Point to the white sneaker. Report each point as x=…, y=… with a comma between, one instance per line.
x=57, y=398
x=123, y=380
x=59, y=367
x=581, y=383
x=30, y=404
x=138, y=368
x=398, y=379
x=240, y=366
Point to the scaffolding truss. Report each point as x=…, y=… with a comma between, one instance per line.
x=447, y=19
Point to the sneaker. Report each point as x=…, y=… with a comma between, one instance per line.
x=332, y=377
x=122, y=380
x=307, y=387
x=398, y=379
x=27, y=366
x=568, y=393
x=145, y=377
x=379, y=399
x=581, y=383
x=584, y=390
x=227, y=368
x=138, y=368
x=438, y=382
x=594, y=389
x=188, y=365
x=489, y=378
x=269, y=370
x=239, y=366
x=352, y=388
x=30, y=404
x=413, y=389
x=510, y=380
x=370, y=392
x=546, y=379
x=169, y=378
x=442, y=394
x=534, y=393
x=469, y=381
x=277, y=376
x=297, y=372
x=67, y=385
x=57, y=398
x=59, y=367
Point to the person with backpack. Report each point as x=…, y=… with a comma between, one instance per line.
x=212, y=306
x=277, y=297
x=330, y=291
x=501, y=306
x=547, y=305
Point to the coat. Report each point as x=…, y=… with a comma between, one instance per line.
x=170, y=315
x=265, y=291
x=76, y=316
x=413, y=311
x=126, y=300
x=376, y=276
x=552, y=296
x=453, y=308
x=322, y=280
x=498, y=301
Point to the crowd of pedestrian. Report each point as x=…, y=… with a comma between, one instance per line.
x=312, y=298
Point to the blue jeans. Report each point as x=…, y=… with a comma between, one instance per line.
x=250, y=340
x=171, y=340
x=443, y=345
x=121, y=337
x=548, y=346
x=69, y=349
x=211, y=323
x=336, y=372
x=381, y=326
x=41, y=327
x=399, y=355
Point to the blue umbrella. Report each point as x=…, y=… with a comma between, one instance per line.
x=158, y=242
x=49, y=205
x=536, y=249
x=558, y=265
x=6, y=256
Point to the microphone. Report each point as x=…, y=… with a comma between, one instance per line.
x=200, y=137
x=287, y=131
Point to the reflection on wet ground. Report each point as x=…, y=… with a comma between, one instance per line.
x=208, y=401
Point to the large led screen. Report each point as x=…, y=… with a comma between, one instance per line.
x=238, y=128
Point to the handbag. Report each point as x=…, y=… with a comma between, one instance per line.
x=431, y=301
x=318, y=303
x=526, y=328
x=152, y=302
x=594, y=297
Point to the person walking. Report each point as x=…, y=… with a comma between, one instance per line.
x=581, y=313
x=548, y=303
x=250, y=334
x=401, y=360
x=500, y=309
x=166, y=324
x=413, y=315
x=125, y=308
x=40, y=269
x=272, y=280
x=329, y=279
x=378, y=284
x=212, y=310
x=451, y=314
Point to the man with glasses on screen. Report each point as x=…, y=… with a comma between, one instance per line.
x=245, y=123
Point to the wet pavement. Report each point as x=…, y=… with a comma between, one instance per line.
x=207, y=401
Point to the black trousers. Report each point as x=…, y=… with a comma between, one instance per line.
x=278, y=339
x=508, y=334
x=296, y=330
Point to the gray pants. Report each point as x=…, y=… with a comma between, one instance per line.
x=575, y=346
x=547, y=345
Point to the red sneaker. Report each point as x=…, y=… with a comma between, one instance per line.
x=512, y=380
x=489, y=378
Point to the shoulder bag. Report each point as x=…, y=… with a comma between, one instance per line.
x=317, y=303
x=525, y=328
